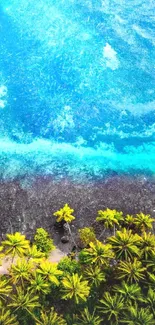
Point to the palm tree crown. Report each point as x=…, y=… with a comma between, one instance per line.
x=51, y=318
x=131, y=271
x=147, y=245
x=143, y=222
x=138, y=316
x=124, y=244
x=49, y=271
x=130, y=292
x=15, y=244
x=74, y=287
x=111, y=307
x=97, y=253
x=110, y=218
x=21, y=271
x=94, y=275
x=88, y=318
x=7, y=317
x=64, y=214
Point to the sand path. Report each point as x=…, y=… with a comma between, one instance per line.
x=55, y=257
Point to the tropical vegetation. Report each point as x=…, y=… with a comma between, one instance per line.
x=109, y=281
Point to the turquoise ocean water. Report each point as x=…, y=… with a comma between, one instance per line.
x=77, y=87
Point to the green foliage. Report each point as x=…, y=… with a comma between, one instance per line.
x=143, y=222
x=131, y=271
x=75, y=288
x=23, y=301
x=149, y=300
x=150, y=263
x=87, y=318
x=138, y=316
x=51, y=318
x=110, y=218
x=129, y=221
x=151, y=279
x=87, y=235
x=7, y=318
x=94, y=275
x=98, y=253
x=124, y=244
x=147, y=245
x=130, y=292
x=49, y=272
x=5, y=289
x=69, y=265
x=110, y=283
x=43, y=241
x=15, y=244
x=64, y=214
x=32, y=253
x=38, y=284
x=20, y=271
x=111, y=307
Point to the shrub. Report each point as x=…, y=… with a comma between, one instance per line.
x=87, y=235
x=67, y=265
x=43, y=241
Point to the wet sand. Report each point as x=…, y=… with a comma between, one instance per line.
x=25, y=207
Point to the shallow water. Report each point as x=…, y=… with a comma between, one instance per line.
x=76, y=88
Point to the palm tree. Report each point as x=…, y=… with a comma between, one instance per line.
x=94, y=275
x=38, y=284
x=64, y=214
x=147, y=245
x=150, y=263
x=21, y=271
x=110, y=219
x=97, y=253
x=124, y=244
x=33, y=253
x=74, y=287
x=7, y=318
x=5, y=289
x=149, y=300
x=138, y=316
x=88, y=318
x=130, y=292
x=25, y=302
x=111, y=307
x=151, y=279
x=143, y=222
x=131, y=271
x=51, y=318
x=129, y=221
x=49, y=272
x=15, y=244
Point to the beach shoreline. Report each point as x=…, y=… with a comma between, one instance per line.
x=26, y=208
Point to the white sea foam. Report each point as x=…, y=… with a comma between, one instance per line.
x=44, y=157
x=110, y=56
x=3, y=93
x=150, y=35
x=2, y=103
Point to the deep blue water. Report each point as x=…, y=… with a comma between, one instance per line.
x=77, y=87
